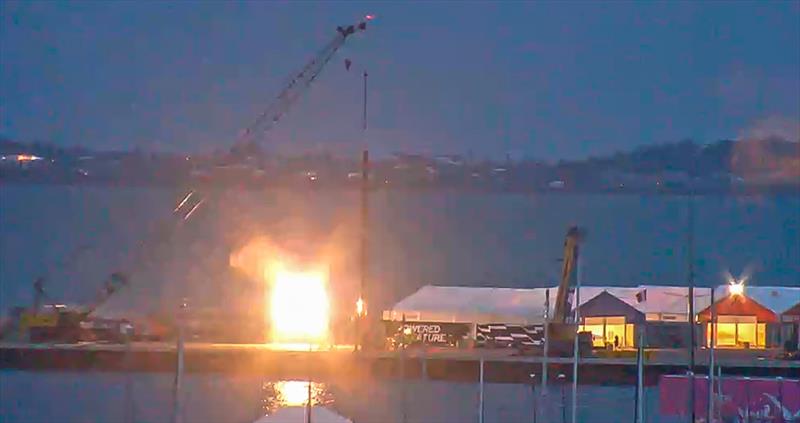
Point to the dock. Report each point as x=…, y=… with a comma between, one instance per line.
x=274, y=361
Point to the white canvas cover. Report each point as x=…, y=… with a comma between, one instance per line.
x=463, y=304
x=297, y=414
x=657, y=301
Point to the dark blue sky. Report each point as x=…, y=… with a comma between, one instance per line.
x=546, y=80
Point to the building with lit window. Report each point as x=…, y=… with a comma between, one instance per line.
x=740, y=322
x=790, y=327
x=611, y=321
x=748, y=317
x=751, y=317
x=661, y=312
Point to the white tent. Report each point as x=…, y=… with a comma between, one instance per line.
x=657, y=302
x=462, y=304
x=297, y=414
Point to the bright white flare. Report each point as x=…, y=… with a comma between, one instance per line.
x=299, y=306
x=736, y=288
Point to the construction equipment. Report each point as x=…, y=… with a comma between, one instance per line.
x=297, y=85
x=561, y=329
x=58, y=322
x=247, y=147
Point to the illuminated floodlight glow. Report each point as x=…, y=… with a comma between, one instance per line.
x=736, y=285
x=736, y=288
x=360, y=309
x=299, y=306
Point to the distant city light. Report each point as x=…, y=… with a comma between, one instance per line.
x=27, y=158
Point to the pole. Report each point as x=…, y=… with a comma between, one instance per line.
x=176, y=389
x=402, y=356
x=533, y=393
x=130, y=412
x=640, y=379
x=575, y=343
x=561, y=378
x=308, y=395
x=480, y=393
x=712, y=340
x=779, y=379
x=690, y=241
x=364, y=268
x=546, y=340
x=308, y=404
x=747, y=399
x=364, y=115
x=364, y=218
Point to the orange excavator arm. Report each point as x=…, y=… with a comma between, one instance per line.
x=568, y=273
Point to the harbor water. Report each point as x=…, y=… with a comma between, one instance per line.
x=76, y=236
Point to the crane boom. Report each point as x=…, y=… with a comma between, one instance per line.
x=568, y=273
x=297, y=85
x=193, y=199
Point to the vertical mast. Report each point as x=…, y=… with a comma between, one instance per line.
x=177, y=385
x=364, y=261
x=690, y=254
x=712, y=339
x=576, y=342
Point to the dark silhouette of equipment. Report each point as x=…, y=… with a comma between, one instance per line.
x=62, y=323
x=562, y=329
x=249, y=142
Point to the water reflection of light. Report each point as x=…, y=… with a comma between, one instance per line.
x=293, y=393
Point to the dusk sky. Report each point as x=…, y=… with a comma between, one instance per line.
x=539, y=80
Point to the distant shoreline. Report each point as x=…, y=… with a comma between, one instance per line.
x=773, y=191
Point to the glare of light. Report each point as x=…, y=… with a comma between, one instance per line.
x=27, y=158
x=736, y=285
x=299, y=306
x=736, y=288
x=360, y=309
x=407, y=330
x=292, y=393
x=369, y=17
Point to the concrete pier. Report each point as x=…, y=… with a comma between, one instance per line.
x=439, y=364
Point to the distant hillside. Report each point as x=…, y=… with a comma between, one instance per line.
x=703, y=160
x=723, y=166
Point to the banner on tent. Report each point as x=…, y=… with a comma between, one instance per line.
x=432, y=333
x=502, y=335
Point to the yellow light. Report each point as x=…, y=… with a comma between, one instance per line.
x=27, y=157
x=299, y=306
x=360, y=310
x=736, y=288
